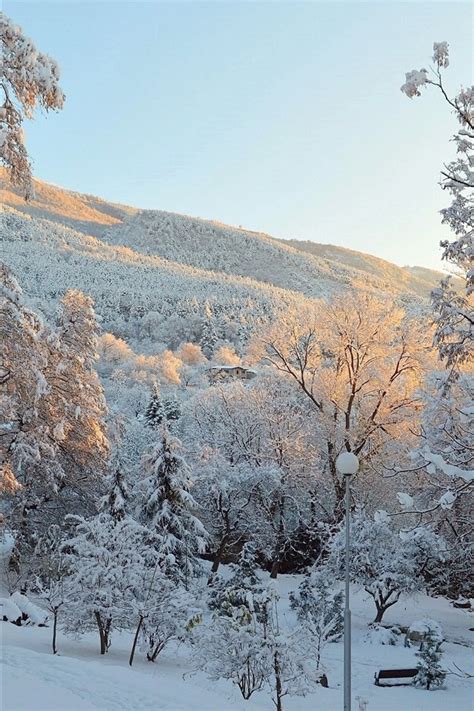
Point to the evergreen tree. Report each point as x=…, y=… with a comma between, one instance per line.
x=209, y=337
x=114, y=501
x=161, y=411
x=319, y=609
x=155, y=413
x=430, y=674
x=236, y=596
x=177, y=535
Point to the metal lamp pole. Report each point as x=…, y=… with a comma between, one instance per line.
x=347, y=464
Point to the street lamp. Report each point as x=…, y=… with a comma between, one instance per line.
x=347, y=464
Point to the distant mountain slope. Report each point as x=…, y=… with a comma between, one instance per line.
x=84, y=213
x=223, y=249
x=420, y=280
x=303, y=266
x=138, y=297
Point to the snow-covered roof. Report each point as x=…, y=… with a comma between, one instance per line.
x=232, y=367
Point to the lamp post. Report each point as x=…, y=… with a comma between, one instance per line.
x=347, y=464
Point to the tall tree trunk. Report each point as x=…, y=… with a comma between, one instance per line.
x=278, y=684
x=55, y=627
x=103, y=632
x=135, y=639
x=280, y=538
x=218, y=556
x=275, y=566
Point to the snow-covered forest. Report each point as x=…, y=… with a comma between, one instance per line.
x=174, y=397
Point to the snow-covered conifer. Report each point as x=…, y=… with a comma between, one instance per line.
x=319, y=609
x=114, y=501
x=430, y=673
x=168, y=510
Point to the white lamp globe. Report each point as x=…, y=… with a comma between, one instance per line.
x=347, y=463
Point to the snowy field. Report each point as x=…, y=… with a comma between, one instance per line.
x=78, y=678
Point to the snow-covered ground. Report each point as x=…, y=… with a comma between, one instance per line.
x=78, y=678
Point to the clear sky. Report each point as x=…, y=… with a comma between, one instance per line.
x=284, y=117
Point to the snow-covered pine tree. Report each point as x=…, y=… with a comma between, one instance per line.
x=177, y=535
x=155, y=413
x=114, y=502
x=209, y=337
x=235, y=596
x=319, y=609
x=172, y=410
x=430, y=673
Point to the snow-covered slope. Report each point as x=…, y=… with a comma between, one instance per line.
x=156, y=276
x=212, y=246
x=84, y=213
x=308, y=267
x=134, y=293
x=416, y=279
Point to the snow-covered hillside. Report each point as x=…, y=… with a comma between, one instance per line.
x=308, y=267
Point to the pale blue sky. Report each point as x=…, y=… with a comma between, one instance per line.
x=284, y=117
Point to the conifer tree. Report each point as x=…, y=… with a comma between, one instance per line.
x=319, y=609
x=430, y=673
x=114, y=501
x=155, y=414
x=177, y=535
x=209, y=335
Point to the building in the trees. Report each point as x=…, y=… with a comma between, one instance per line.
x=219, y=373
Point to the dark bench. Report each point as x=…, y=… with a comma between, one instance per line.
x=395, y=677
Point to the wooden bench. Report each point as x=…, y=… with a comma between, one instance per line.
x=395, y=677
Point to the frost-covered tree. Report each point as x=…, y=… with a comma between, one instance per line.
x=446, y=450
x=230, y=647
x=52, y=413
x=105, y=557
x=453, y=307
x=114, y=501
x=357, y=362
x=168, y=511
x=224, y=494
x=256, y=437
x=154, y=414
x=244, y=642
x=165, y=612
x=319, y=609
x=385, y=562
x=161, y=411
x=29, y=79
x=430, y=673
x=51, y=575
x=209, y=336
